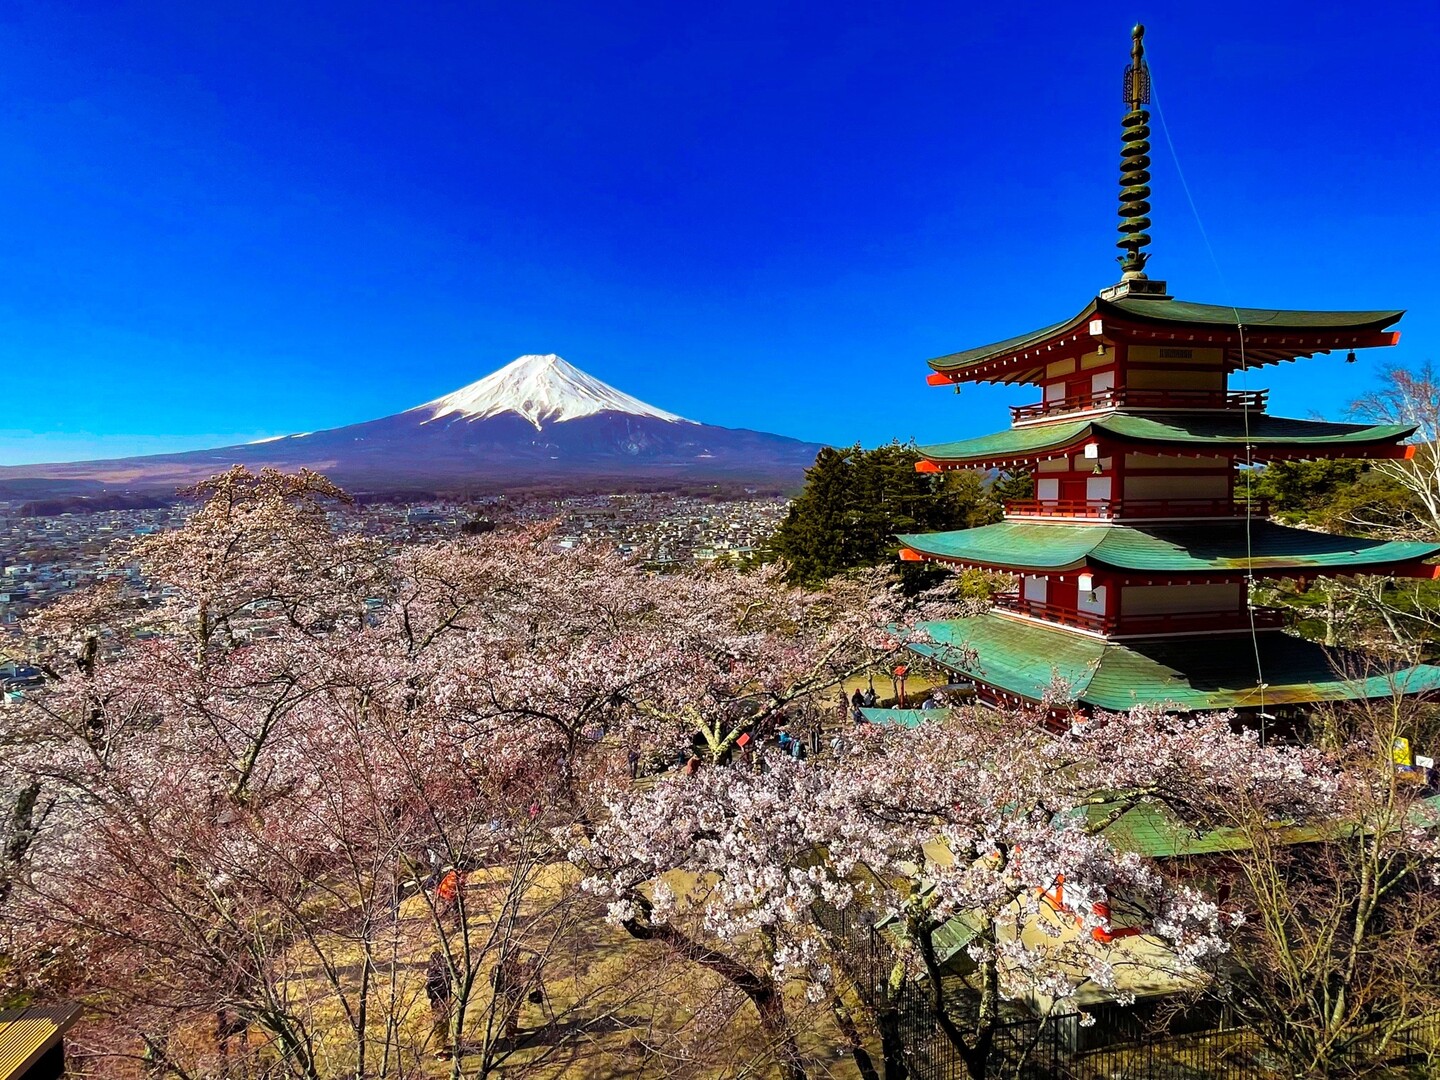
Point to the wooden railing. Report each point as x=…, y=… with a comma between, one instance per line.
x=1039, y=609
x=1191, y=622
x=1132, y=398
x=1159, y=624
x=1117, y=509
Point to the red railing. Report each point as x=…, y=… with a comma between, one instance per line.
x=1174, y=622
x=1190, y=622
x=1117, y=509
x=1039, y=609
x=1130, y=397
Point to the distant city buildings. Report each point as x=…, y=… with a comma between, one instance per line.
x=42, y=558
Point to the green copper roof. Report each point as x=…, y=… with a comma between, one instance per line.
x=1190, y=675
x=1213, y=548
x=1271, y=320
x=1012, y=442
x=1223, y=431
x=949, y=939
x=1152, y=830
x=1180, y=313
x=906, y=718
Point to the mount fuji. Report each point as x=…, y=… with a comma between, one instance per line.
x=537, y=423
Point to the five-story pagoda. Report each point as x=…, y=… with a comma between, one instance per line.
x=1135, y=556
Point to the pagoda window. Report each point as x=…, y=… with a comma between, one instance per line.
x=1102, y=381
x=1097, y=488
x=1047, y=488
x=1093, y=602
x=1033, y=589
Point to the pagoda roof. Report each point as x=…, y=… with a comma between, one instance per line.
x=1312, y=332
x=1220, y=547
x=1222, y=432
x=1024, y=660
x=906, y=718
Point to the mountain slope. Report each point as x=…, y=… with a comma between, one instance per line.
x=542, y=389
x=538, y=421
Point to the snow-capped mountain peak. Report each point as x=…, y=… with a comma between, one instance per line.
x=543, y=389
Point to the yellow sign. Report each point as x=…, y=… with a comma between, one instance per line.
x=1400, y=751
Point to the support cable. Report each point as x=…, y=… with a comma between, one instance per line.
x=1244, y=414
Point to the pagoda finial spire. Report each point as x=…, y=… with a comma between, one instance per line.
x=1135, y=163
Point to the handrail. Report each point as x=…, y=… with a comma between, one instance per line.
x=1179, y=622
x=1161, y=623
x=1040, y=609
x=1136, y=398
x=1116, y=509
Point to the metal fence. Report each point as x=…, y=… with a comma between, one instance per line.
x=1121, y=1043
x=1023, y=1049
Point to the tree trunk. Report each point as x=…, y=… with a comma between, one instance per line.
x=846, y=1024
x=892, y=1049
x=21, y=833
x=762, y=993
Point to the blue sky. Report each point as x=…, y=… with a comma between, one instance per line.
x=228, y=221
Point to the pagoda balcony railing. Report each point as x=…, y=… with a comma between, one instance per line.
x=1133, y=509
x=1054, y=613
x=1126, y=397
x=1154, y=625
x=1194, y=622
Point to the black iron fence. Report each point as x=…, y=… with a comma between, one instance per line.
x=1023, y=1048
x=1112, y=1043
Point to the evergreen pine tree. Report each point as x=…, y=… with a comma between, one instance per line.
x=855, y=501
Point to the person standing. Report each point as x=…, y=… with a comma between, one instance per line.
x=447, y=895
x=437, y=989
x=515, y=981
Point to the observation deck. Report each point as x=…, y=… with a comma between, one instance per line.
x=1135, y=509
x=1163, y=624
x=1125, y=397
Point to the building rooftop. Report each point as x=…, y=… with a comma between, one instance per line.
x=27, y=1035
x=1219, y=672
x=1272, y=334
x=1224, y=433
x=1219, y=547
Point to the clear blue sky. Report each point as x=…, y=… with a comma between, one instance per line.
x=226, y=221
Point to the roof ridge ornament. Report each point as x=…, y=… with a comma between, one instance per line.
x=1135, y=163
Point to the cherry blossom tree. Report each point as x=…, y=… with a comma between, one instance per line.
x=1336, y=966
x=271, y=886
x=978, y=817
x=260, y=540
x=1413, y=398
x=244, y=831
x=220, y=814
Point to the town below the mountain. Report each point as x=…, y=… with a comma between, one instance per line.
x=45, y=557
